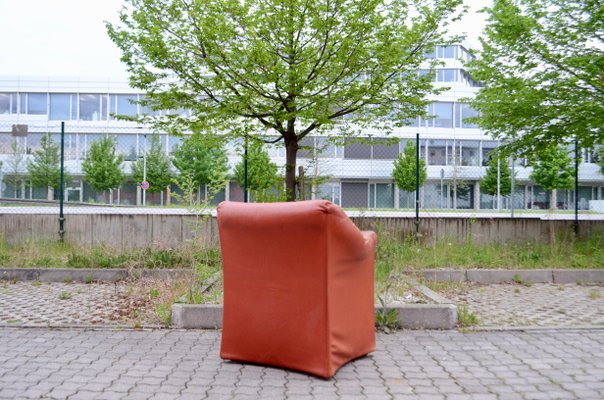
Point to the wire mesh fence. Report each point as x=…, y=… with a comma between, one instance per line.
x=461, y=174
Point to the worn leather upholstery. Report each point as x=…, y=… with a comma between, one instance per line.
x=298, y=285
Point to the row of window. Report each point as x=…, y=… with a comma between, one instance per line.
x=373, y=195
x=76, y=106
x=436, y=152
x=101, y=107
x=448, y=52
x=450, y=75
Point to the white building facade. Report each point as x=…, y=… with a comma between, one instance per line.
x=354, y=176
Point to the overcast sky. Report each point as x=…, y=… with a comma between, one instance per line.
x=68, y=37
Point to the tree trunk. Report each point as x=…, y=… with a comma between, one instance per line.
x=291, y=149
x=553, y=200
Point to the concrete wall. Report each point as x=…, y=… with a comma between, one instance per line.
x=136, y=231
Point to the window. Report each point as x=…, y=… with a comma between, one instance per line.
x=34, y=103
x=487, y=148
x=443, y=112
x=8, y=103
x=437, y=152
x=359, y=151
x=306, y=147
x=123, y=104
x=329, y=191
x=447, y=75
x=381, y=195
x=385, y=151
x=93, y=107
x=462, y=113
x=469, y=152
x=63, y=106
x=354, y=194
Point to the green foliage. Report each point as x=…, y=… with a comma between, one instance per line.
x=553, y=169
x=287, y=67
x=159, y=175
x=64, y=295
x=404, y=172
x=261, y=171
x=201, y=157
x=386, y=319
x=488, y=184
x=45, y=168
x=102, y=167
x=466, y=318
x=164, y=311
x=601, y=158
x=541, y=65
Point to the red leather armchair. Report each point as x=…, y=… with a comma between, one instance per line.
x=298, y=285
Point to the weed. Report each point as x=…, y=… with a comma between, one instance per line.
x=78, y=260
x=153, y=293
x=386, y=320
x=64, y=295
x=465, y=317
x=88, y=279
x=68, y=279
x=164, y=311
x=594, y=294
x=518, y=279
x=36, y=283
x=137, y=324
x=517, y=290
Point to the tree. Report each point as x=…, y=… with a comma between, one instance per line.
x=553, y=169
x=288, y=66
x=404, y=172
x=15, y=165
x=204, y=160
x=261, y=171
x=45, y=167
x=102, y=167
x=491, y=181
x=158, y=171
x=541, y=66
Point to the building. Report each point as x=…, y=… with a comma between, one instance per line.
x=355, y=176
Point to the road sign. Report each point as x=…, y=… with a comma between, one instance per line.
x=144, y=185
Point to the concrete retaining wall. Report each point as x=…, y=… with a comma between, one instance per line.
x=142, y=230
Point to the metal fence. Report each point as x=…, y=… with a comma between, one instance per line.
x=356, y=175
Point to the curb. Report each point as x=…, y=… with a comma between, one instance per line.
x=86, y=274
x=496, y=276
x=412, y=316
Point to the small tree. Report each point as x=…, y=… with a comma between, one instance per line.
x=490, y=182
x=553, y=169
x=15, y=165
x=201, y=161
x=261, y=171
x=45, y=168
x=102, y=167
x=404, y=173
x=158, y=172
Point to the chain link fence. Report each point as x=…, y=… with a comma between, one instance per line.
x=358, y=175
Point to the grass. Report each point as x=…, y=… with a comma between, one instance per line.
x=466, y=318
x=407, y=254
x=46, y=254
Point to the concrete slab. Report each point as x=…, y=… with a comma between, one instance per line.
x=489, y=277
x=444, y=275
x=578, y=276
x=81, y=275
x=427, y=316
x=197, y=316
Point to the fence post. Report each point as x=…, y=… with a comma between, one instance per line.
x=62, y=183
x=417, y=187
x=576, y=225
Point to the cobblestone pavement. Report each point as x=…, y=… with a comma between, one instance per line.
x=73, y=304
x=170, y=364
x=541, y=304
